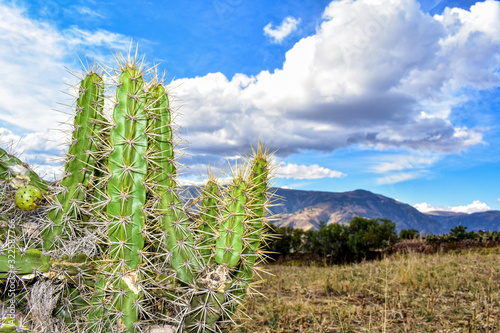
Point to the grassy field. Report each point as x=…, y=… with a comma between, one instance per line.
x=452, y=292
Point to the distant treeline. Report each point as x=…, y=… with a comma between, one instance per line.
x=361, y=239
x=460, y=233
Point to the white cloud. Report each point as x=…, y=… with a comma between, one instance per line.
x=474, y=207
x=398, y=177
x=379, y=74
x=33, y=58
x=279, y=33
x=405, y=162
x=314, y=171
x=38, y=149
x=403, y=167
x=87, y=11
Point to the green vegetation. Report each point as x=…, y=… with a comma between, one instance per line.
x=460, y=233
x=361, y=239
x=366, y=239
x=408, y=234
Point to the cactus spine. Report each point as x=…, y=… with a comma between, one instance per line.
x=129, y=253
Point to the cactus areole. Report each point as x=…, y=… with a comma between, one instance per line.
x=112, y=247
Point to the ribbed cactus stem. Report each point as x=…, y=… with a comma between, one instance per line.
x=258, y=185
x=209, y=220
x=81, y=161
x=229, y=244
x=177, y=237
x=257, y=179
x=127, y=193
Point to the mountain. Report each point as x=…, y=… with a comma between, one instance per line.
x=489, y=220
x=305, y=209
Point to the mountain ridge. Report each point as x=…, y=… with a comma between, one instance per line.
x=305, y=209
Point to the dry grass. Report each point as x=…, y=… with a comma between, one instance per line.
x=452, y=292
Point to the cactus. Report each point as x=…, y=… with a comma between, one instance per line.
x=69, y=203
x=117, y=244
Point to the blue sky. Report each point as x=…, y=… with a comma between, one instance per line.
x=398, y=97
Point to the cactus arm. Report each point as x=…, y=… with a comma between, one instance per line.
x=128, y=170
x=254, y=226
x=13, y=262
x=127, y=194
x=81, y=160
x=26, y=264
x=229, y=244
x=174, y=222
x=257, y=179
x=209, y=220
x=11, y=168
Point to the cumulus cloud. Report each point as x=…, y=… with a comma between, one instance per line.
x=314, y=171
x=282, y=31
x=377, y=74
x=474, y=207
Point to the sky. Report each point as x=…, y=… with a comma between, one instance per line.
x=398, y=97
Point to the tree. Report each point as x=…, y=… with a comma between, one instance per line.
x=408, y=234
x=367, y=236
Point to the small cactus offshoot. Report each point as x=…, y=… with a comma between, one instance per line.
x=112, y=246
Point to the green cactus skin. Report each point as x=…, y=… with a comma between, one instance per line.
x=127, y=170
x=209, y=219
x=27, y=196
x=258, y=180
x=32, y=261
x=229, y=244
x=11, y=168
x=120, y=187
x=12, y=325
x=126, y=192
x=174, y=223
x=206, y=310
x=80, y=163
x=254, y=226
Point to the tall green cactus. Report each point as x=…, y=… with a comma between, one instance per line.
x=80, y=164
x=118, y=236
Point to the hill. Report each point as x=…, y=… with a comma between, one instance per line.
x=305, y=209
